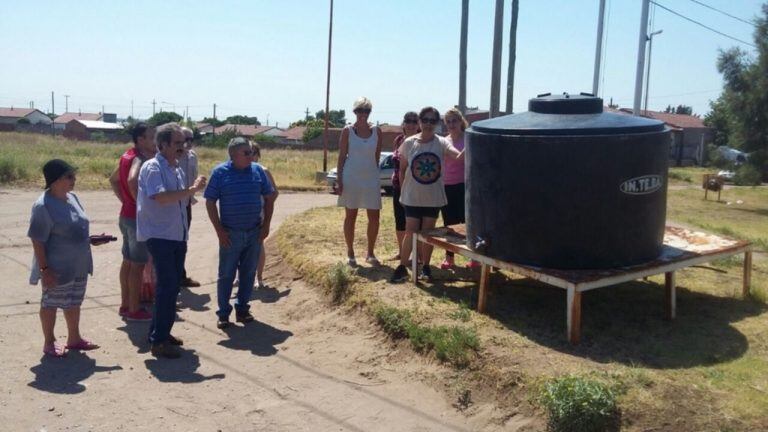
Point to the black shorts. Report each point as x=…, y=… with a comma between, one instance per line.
x=421, y=212
x=453, y=212
x=399, y=210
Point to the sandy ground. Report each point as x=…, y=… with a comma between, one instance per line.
x=302, y=366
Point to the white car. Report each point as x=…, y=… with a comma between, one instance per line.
x=386, y=168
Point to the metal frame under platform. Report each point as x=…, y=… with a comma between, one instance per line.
x=682, y=248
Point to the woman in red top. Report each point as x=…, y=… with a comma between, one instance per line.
x=410, y=127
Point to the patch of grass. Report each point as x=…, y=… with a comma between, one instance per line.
x=338, y=281
x=680, y=176
x=462, y=313
x=22, y=156
x=455, y=345
x=576, y=403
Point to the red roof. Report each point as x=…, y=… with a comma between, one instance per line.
x=679, y=121
x=244, y=130
x=16, y=112
x=69, y=116
x=294, y=133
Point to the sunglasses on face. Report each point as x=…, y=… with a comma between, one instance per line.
x=411, y=121
x=427, y=120
x=248, y=153
x=178, y=143
x=362, y=111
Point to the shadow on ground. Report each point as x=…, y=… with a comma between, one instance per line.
x=188, y=299
x=269, y=294
x=138, y=332
x=623, y=324
x=257, y=337
x=181, y=370
x=64, y=375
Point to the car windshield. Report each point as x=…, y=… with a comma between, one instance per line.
x=385, y=162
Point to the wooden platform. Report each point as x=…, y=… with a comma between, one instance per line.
x=682, y=248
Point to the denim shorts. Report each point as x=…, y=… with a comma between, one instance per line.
x=133, y=250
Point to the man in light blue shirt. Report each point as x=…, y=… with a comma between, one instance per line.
x=161, y=221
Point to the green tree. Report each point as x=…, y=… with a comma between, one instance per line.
x=719, y=118
x=745, y=95
x=243, y=120
x=336, y=118
x=314, y=129
x=212, y=121
x=164, y=117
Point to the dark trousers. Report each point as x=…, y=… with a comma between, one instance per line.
x=189, y=223
x=168, y=259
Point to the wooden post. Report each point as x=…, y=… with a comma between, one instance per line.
x=747, y=280
x=574, y=315
x=670, y=295
x=482, y=295
x=415, y=260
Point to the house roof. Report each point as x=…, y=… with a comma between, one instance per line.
x=96, y=124
x=244, y=130
x=17, y=112
x=69, y=116
x=679, y=121
x=294, y=133
x=391, y=128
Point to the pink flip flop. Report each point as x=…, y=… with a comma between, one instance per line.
x=55, y=350
x=83, y=345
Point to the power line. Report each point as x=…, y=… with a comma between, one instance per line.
x=702, y=25
x=724, y=13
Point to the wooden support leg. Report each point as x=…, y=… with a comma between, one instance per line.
x=670, y=294
x=747, y=280
x=574, y=316
x=415, y=260
x=482, y=295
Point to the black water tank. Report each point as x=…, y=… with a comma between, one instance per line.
x=566, y=185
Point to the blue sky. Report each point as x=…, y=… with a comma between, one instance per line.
x=268, y=57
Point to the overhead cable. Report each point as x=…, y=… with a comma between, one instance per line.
x=703, y=25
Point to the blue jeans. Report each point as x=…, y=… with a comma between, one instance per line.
x=242, y=256
x=168, y=259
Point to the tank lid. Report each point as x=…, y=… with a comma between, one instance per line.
x=583, y=103
x=567, y=114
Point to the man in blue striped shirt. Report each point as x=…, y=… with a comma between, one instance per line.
x=238, y=186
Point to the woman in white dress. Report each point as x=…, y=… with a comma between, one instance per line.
x=358, y=178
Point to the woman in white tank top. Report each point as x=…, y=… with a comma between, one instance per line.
x=358, y=178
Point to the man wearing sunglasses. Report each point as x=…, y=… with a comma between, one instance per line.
x=238, y=186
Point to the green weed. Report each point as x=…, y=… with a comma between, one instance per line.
x=575, y=403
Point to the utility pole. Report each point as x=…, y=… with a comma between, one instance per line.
x=598, y=48
x=186, y=113
x=648, y=70
x=214, y=111
x=102, y=111
x=498, y=34
x=153, y=107
x=53, y=113
x=132, y=108
x=327, y=91
x=306, y=114
x=512, y=57
x=463, y=57
x=267, y=119
x=66, y=103
x=641, y=58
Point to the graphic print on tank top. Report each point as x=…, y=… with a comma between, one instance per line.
x=425, y=168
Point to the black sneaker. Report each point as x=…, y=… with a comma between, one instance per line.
x=223, y=323
x=166, y=349
x=400, y=274
x=426, y=273
x=244, y=317
x=173, y=340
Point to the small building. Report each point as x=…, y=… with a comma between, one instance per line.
x=249, y=131
x=60, y=123
x=87, y=130
x=33, y=116
x=689, y=136
x=204, y=128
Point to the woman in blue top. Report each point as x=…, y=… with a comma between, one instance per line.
x=59, y=229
